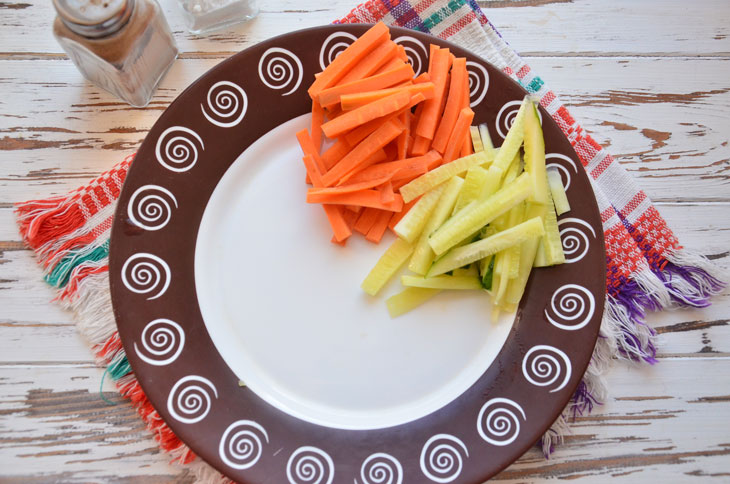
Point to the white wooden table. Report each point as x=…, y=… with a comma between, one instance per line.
x=650, y=79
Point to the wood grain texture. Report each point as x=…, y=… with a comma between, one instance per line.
x=648, y=79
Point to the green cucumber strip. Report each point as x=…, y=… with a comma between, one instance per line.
x=477, y=214
x=486, y=139
x=474, y=182
x=423, y=255
x=554, y=254
x=461, y=256
x=557, y=190
x=476, y=139
x=408, y=299
x=488, y=272
x=535, y=155
x=470, y=270
x=503, y=259
x=528, y=250
x=413, y=223
x=435, y=177
x=442, y=282
x=388, y=264
x=514, y=138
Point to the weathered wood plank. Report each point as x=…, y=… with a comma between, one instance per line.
x=566, y=28
x=664, y=121
x=54, y=427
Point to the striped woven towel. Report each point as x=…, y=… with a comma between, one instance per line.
x=647, y=267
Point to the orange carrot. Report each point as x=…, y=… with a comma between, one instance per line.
x=423, y=77
x=420, y=146
x=387, y=194
x=393, y=63
x=354, y=101
x=357, y=117
x=467, y=148
x=402, y=53
x=353, y=208
x=309, y=148
x=340, y=227
x=365, y=198
x=341, y=64
x=358, y=134
x=316, y=127
x=351, y=187
x=331, y=97
x=335, y=152
x=454, y=104
x=371, y=62
x=376, y=232
x=355, y=158
x=402, y=139
x=392, y=168
x=351, y=216
x=366, y=220
x=461, y=129
x=439, y=68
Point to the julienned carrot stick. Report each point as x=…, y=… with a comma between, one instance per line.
x=402, y=53
x=423, y=77
x=398, y=169
x=360, y=133
x=354, y=101
x=351, y=216
x=316, y=126
x=391, y=64
x=340, y=227
x=365, y=221
x=387, y=194
x=341, y=64
x=402, y=139
x=357, y=117
x=330, y=97
x=371, y=62
x=456, y=141
x=454, y=104
x=376, y=232
x=441, y=62
x=309, y=148
x=420, y=146
x=352, y=187
x=364, y=198
x=355, y=158
x=468, y=148
x=334, y=153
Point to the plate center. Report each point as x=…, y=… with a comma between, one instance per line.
x=284, y=307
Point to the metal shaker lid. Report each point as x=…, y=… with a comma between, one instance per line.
x=94, y=18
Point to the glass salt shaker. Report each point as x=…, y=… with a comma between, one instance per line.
x=123, y=46
x=205, y=15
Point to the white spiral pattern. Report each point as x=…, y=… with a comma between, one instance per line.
x=180, y=150
x=162, y=342
x=281, y=69
x=574, y=236
x=441, y=458
x=571, y=307
x=145, y=273
x=226, y=104
x=333, y=45
x=545, y=366
x=478, y=82
x=506, y=116
x=562, y=164
x=499, y=421
x=310, y=465
x=242, y=443
x=190, y=399
x=150, y=207
x=416, y=52
x=381, y=468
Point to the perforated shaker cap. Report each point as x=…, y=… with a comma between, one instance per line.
x=94, y=18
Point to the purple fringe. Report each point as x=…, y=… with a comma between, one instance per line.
x=670, y=272
x=635, y=301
